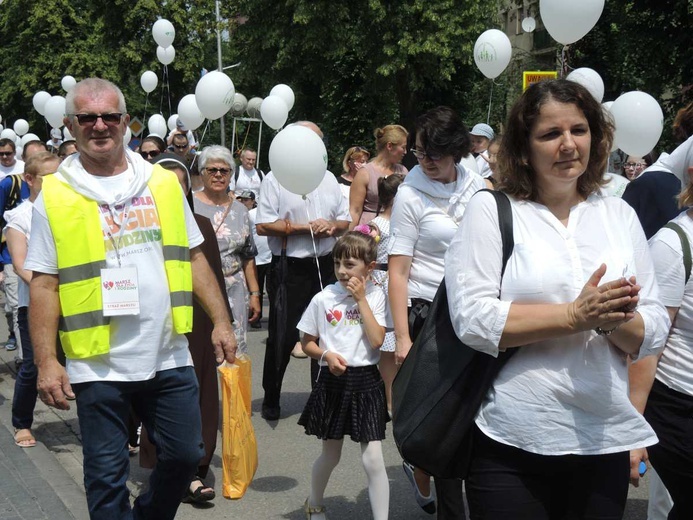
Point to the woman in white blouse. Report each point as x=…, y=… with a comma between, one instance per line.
x=670, y=404
x=578, y=294
x=426, y=213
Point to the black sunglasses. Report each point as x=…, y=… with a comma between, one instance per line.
x=150, y=155
x=6, y=154
x=111, y=119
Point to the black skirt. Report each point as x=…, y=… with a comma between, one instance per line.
x=351, y=404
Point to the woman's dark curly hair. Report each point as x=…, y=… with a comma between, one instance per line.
x=442, y=132
x=518, y=177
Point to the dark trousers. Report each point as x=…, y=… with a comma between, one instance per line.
x=25, y=392
x=262, y=271
x=449, y=497
x=302, y=283
x=169, y=408
x=507, y=482
x=670, y=413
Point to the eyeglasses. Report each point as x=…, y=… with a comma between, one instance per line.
x=630, y=165
x=6, y=154
x=150, y=155
x=180, y=146
x=223, y=171
x=112, y=119
x=421, y=155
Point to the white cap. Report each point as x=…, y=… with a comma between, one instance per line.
x=483, y=130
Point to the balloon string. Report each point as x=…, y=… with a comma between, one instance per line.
x=315, y=248
x=490, y=100
x=168, y=90
x=146, y=103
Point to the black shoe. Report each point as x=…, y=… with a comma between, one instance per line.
x=270, y=413
x=256, y=325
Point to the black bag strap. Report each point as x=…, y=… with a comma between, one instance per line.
x=685, y=246
x=505, y=223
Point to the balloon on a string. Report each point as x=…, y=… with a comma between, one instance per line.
x=529, y=24
x=214, y=94
x=189, y=113
x=298, y=159
x=639, y=122
x=28, y=137
x=253, y=109
x=567, y=20
x=163, y=32
x=590, y=79
x=68, y=83
x=240, y=102
x=157, y=125
x=285, y=93
x=149, y=81
x=21, y=127
x=39, y=101
x=55, y=111
x=8, y=133
x=165, y=54
x=274, y=112
x=492, y=52
x=171, y=122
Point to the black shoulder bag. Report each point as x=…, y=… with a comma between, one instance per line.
x=442, y=383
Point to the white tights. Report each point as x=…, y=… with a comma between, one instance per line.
x=373, y=464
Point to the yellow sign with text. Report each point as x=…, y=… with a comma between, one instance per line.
x=535, y=76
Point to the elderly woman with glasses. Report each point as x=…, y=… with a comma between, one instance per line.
x=232, y=228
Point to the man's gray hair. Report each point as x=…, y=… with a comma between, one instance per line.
x=216, y=153
x=92, y=87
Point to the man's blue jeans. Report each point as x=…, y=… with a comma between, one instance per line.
x=168, y=406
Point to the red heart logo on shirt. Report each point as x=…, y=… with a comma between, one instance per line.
x=110, y=284
x=337, y=315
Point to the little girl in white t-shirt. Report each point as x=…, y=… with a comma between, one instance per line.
x=344, y=327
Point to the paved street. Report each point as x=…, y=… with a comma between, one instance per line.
x=45, y=482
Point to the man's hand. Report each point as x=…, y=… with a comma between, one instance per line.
x=54, y=386
x=224, y=342
x=322, y=228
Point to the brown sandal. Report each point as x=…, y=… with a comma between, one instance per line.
x=23, y=438
x=312, y=510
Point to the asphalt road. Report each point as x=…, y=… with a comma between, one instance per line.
x=286, y=454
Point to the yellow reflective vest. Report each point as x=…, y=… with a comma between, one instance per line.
x=75, y=222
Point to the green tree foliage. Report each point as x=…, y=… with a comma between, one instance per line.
x=44, y=41
x=643, y=45
x=362, y=64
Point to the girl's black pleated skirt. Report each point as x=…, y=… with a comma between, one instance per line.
x=352, y=404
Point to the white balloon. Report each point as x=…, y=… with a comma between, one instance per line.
x=529, y=24
x=189, y=112
x=149, y=81
x=589, y=79
x=240, y=102
x=67, y=136
x=298, y=158
x=171, y=122
x=639, y=122
x=568, y=20
x=55, y=111
x=214, y=94
x=274, y=112
x=21, y=127
x=68, y=83
x=284, y=92
x=157, y=125
x=253, y=109
x=8, y=133
x=28, y=137
x=492, y=52
x=163, y=32
x=127, y=136
x=165, y=54
x=39, y=101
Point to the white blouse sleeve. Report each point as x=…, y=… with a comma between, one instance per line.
x=404, y=222
x=473, y=277
x=667, y=256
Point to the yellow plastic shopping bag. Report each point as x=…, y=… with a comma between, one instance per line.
x=239, y=447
